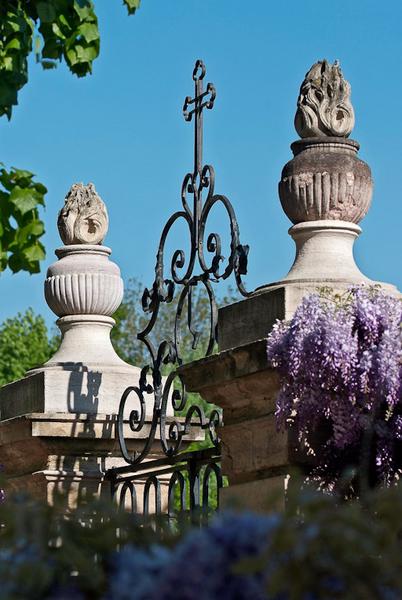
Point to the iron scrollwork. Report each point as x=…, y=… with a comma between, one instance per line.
x=204, y=266
x=190, y=483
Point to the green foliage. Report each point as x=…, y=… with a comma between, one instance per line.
x=69, y=31
x=325, y=548
x=64, y=29
x=16, y=33
x=130, y=320
x=20, y=226
x=24, y=344
x=132, y=5
x=57, y=29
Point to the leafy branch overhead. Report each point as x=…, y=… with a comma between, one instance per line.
x=55, y=30
x=20, y=226
x=59, y=29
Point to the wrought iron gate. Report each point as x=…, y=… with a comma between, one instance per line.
x=161, y=407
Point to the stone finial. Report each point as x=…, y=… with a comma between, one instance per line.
x=326, y=189
x=83, y=287
x=83, y=218
x=324, y=107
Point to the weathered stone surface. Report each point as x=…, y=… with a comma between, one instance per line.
x=260, y=495
x=253, y=448
x=68, y=454
x=84, y=288
x=324, y=254
x=241, y=382
x=83, y=218
x=246, y=364
x=74, y=388
x=251, y=319
x=325, y=180
x=83, y=281
x=324, y=107
x=324, y=258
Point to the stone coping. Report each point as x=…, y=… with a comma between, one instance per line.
x=81, y=425
x=225, y=366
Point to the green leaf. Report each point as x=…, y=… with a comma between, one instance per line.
x=14, y=44
x=89, y=32
x=39, y=187
x=48, y=64
x=64, y=21
x=132, y=5
x=21, y=173
x=83, y=8
x=34, y=228
x=15, y=263
x=35, y=252
x=57, y=31
x=3, y=260
x=71, y=57
x=24, y=199
x=46, y=12
x=86, y=54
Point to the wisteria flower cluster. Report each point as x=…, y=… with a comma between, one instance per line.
x=339, y=359
x=318, y=549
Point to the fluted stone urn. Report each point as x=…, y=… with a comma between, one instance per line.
x=83, y=281
x=325, y=181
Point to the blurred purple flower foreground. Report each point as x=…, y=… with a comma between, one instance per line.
x=339, y=359
x=201, y=566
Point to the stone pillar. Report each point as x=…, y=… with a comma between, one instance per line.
x=57, y=424
x=325, y=191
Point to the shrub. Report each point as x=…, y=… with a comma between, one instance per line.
x=319, y=548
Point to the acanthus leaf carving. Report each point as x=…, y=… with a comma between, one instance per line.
x=83, y=218
x=324, y=107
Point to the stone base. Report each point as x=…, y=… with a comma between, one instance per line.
x=65, y=457
x=252, y=319
x=255, y=456
x=261, y=495
x=72, y=388
x=324, y=259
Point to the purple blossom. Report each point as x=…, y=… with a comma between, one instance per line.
x=340, y=364
x=201, y=566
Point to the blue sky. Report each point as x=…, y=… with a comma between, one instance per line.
x=122, y=127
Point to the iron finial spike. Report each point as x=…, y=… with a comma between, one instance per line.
x=199, y=65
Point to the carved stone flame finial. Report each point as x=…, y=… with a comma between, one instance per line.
x=323, y=106
x=83, y=218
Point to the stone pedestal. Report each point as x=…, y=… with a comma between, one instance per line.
x=58, y=423
x=325, y=190
x=255, y=456
x=64, y=457
x=58, y=432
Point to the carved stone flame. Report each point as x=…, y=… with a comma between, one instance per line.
x=83, y=218
x=323, y=106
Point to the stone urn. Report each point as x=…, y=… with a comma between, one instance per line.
x=83, y=281
x=325, y=181
x=325, y=190
x=83, y=287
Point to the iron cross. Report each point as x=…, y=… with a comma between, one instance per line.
x=200, y=101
